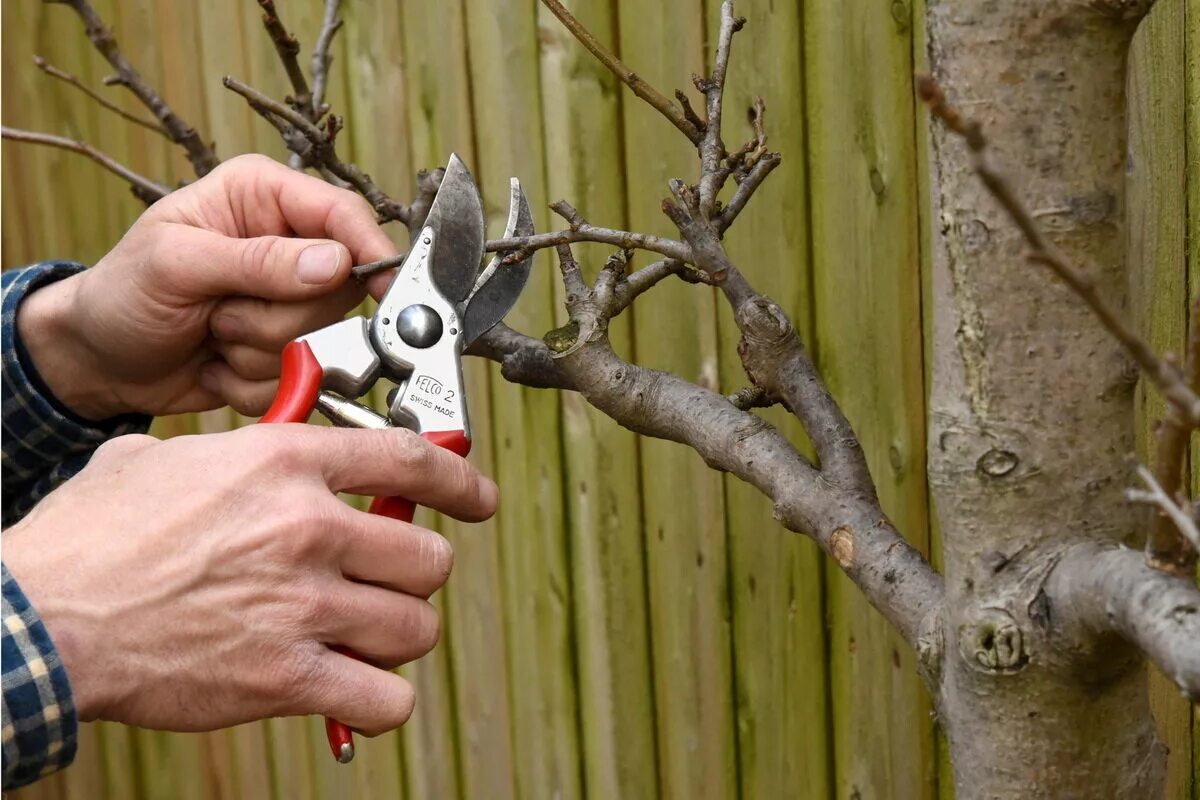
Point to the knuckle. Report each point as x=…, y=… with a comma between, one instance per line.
x=395, y=706
x=258, y=254
x=288, y=683
x=439, y=555
x=120, y=446
x=411, y=451
x=425, y=628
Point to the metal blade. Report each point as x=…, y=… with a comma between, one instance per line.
x=456, y=217
x=499, y=286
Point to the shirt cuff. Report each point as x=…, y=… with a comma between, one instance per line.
x=41, y=435
x=41, y=727
x=55, y=412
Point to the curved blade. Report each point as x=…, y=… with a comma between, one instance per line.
x=456, y=217
x=499, y=286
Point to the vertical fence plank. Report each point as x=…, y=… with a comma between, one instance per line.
x=683, y=506
x=1192, y=167
x=526, y=431
x=581, y=119
x=440, y=122
x=367, y=65
x=778, y=611
x=867, y=286
x=1157, y=262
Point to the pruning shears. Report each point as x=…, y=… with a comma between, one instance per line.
x=436, y=305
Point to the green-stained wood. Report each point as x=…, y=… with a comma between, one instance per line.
x=1157, y=259
x=580, y=116
x=525, y=426
x=440, y=122
x=865, y=195
x=776, y=576
x=1192, y=155
x=683, y=506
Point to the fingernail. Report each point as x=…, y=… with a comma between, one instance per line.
x=489, y=493
x=319, y=263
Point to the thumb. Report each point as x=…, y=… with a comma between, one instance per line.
x=270, y=267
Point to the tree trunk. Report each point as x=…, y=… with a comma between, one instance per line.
x=1032, y=423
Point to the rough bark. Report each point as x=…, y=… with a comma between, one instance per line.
x=1031, y=422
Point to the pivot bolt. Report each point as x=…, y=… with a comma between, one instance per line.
x=419, y=326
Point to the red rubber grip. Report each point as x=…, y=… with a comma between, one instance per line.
x=341, y=739
x=299, y=384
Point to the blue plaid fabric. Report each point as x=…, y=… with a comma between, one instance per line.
x=43, y=445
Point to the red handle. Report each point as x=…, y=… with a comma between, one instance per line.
x=299, y=384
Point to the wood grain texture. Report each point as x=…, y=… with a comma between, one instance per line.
x=862, y=161
x=581, y=104
x=683, y=501
x=1157, y=260
x=526, y=426
x=777, y=582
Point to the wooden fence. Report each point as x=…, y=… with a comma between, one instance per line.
x=631, y=624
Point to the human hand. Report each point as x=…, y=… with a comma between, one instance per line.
x=192, y=307
x=200, y=582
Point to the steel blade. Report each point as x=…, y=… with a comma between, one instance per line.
x=456, y=218
x=499, y=286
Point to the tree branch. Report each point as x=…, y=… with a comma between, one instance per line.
x=1168, y=508
x=288, y=49
x=712, y=148
x=143, y=188
x=321, y=59
x=200, y=154
x=582, y=231
x=1097, y=589
x=67, y=77
x=316, y=148
x=624, y=73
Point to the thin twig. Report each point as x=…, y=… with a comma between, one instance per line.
x=523, y=246
x=746, y=189
x=1164, y=375
x=1157, y=496
x=319, y=151
x=145, y=189
x=624, y=73
x=288, y=49
x=67, y=77
x=364, y=271
x=712, y=148
x=199, y=153
x=321, y=59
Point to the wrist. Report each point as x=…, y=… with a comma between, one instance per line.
x=47, y=325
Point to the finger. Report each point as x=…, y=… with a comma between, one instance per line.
x=196, y=262
x=248, y=397
x=386, y=628
x=397, y=462
x=269, y=325
x=249, y=362
x=270, y=196
x=368, y=699
x=395, y=555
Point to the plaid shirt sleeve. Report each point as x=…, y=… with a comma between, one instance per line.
x=43, y=445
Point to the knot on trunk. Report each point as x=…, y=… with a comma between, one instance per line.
x=993, y=642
